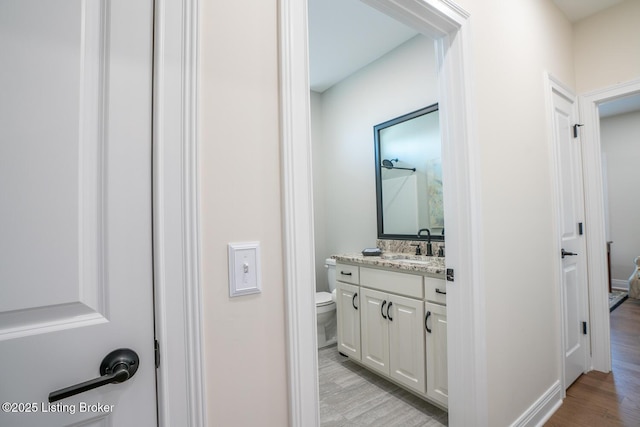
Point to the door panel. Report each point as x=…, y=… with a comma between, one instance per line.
x=348, y=319
x=75, y=206
x=406, y=342
x=436, y=350
x=574, y=285
x=375, y=330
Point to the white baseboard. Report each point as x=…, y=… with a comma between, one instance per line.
x=542, y=409
x=622, y=285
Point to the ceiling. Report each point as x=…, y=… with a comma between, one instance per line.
x=346, y=35
x=576, y=10
x=620, y=106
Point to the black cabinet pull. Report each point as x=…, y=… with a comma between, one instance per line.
x=382, y=308
x=425, y=321
x=389, y=308
x=346, y=274
x=353, y=300
x=438, y=291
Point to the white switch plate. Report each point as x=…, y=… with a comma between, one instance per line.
x=244, y=269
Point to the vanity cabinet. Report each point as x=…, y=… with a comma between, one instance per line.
x=435, y=325
x=395, y=324
x=392, y=338
x=348, y=314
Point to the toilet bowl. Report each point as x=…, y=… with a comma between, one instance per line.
x=326, y=308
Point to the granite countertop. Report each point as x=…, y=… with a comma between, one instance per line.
x=431, y=265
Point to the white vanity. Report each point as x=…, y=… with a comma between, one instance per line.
x=392, y=319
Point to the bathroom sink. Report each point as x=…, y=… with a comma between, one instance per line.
x=413, y=259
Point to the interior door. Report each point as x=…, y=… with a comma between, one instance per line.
x=573, y=254
x=75, y=210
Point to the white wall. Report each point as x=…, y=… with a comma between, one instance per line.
x=514, y=43
x=244, y=337
x=620, y=139
x=342, y=119
x=607, y=46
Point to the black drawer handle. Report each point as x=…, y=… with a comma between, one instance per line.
x=438, y=291
x=346, y=274
x=389, y=314
x=382, y=308
x=425, y=321
x=353, y=300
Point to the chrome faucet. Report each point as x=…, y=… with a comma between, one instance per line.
x=429, y=247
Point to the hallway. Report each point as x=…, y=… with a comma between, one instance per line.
x=613, y=399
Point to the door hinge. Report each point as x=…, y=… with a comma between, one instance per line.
x=450, y=274
x=156, y=347
x=575, y=130
x=580, y=230
x=584, y=328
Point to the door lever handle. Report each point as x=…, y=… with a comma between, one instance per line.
x=117, y=367
x=565, y=253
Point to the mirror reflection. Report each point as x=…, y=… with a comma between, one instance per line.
x=409, y=176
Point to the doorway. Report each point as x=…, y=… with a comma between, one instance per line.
x=467, y=380
x=595, y=210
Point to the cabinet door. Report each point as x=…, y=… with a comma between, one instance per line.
x=406, y=342
x=347, y=304
x=436, y=342
x=375, y=330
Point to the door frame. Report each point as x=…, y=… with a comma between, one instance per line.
x=176, y=228
x=594, y=216
x=449, y=25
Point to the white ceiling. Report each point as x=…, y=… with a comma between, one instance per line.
x=620, y=106
x=576, y=10
x=346, y=35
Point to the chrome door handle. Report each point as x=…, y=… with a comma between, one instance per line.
x=565, y=253
x=117, y=367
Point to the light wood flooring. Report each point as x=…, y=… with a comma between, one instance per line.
x=352, y=396
x=613, y=399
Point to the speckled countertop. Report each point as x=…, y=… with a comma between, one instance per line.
x=433, y=266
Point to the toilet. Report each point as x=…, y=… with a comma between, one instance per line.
x=326, y=308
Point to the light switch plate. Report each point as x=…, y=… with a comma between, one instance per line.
x=244, y=269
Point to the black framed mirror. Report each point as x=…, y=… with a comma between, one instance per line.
x=408, y=156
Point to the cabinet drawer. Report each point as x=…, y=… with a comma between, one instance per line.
x=347, y=273
x=435, y=290
x=389, y=281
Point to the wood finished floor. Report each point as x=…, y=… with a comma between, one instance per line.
x=613, y=399
x=352, y=396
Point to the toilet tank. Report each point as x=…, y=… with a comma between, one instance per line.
x=330, y=263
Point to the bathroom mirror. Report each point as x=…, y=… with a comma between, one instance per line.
x=409, y=176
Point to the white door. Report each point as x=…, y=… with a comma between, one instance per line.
x=75, y=209
x=347, y=304
x=573, y=255
x=375, y=330
x=406, y=342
